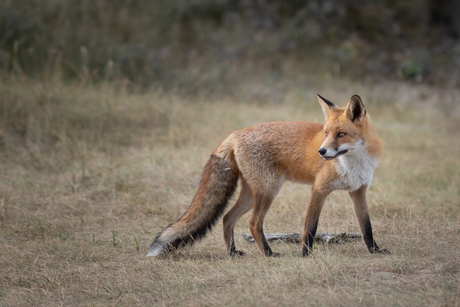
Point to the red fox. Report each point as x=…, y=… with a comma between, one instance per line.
x=340, y=154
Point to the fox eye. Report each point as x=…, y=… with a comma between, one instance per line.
x=325, y=134
x=341, y=134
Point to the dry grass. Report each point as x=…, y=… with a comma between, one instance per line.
x=89, y=175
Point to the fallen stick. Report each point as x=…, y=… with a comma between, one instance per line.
x=327, y=238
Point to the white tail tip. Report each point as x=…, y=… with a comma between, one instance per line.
x=154, y=251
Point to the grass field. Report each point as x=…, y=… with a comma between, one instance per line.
x=89, y=174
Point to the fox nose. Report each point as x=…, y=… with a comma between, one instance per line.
x=322, y=151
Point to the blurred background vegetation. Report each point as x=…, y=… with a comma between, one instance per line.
x=203, y=45
x=57, y=57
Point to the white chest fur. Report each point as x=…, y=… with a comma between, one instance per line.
x=356, y=168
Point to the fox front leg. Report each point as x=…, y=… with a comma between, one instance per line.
x=362, y=213
x=311, y=221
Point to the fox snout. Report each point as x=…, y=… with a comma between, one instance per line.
x=332, y=153
x=322, y=151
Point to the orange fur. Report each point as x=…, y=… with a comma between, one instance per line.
x=264, y=156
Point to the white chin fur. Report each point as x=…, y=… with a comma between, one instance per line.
x=356, y=168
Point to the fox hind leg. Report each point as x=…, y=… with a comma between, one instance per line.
x=261, y=205
x=244, y=204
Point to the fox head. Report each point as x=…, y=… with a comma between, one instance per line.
x=344, y=129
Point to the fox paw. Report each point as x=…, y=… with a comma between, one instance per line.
x=383, y=251
x=380, y=251
x=237, y=254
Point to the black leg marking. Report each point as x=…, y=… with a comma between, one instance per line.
x=369, y=240
x=232, y=251
x=308, y=243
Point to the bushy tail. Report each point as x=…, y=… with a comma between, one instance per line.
x=217, y=186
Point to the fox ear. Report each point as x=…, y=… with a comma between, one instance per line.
x=355, y=110
x=326, y=105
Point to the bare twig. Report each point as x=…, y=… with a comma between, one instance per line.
x=297, y=237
